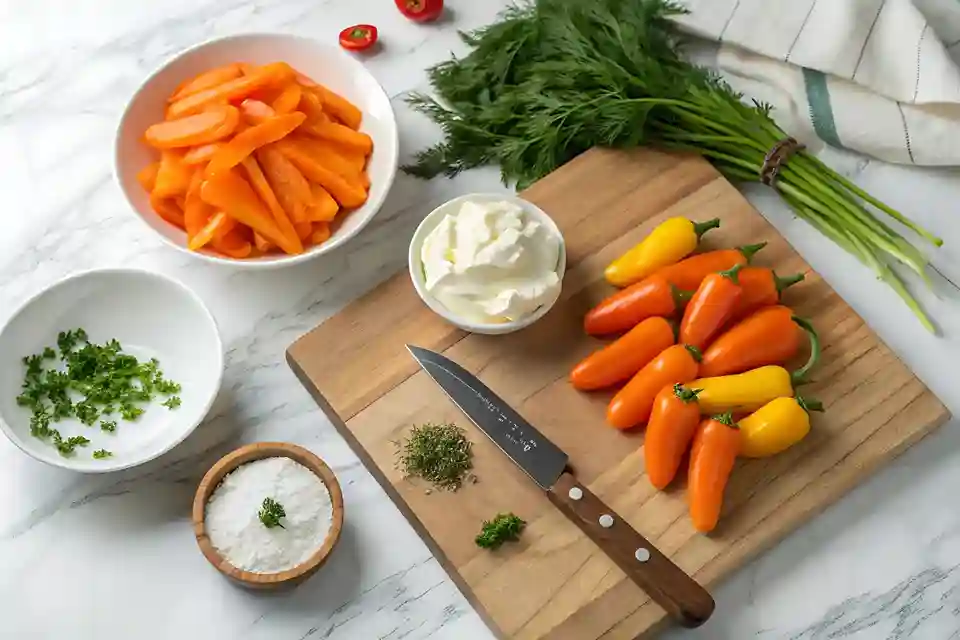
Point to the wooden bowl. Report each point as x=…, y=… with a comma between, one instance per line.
x=246, y=454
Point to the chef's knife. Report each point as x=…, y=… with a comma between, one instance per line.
x=546, y=464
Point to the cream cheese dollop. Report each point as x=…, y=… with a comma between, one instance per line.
x=491, y=262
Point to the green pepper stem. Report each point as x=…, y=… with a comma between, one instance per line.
x=696, y=353
x=751, y=250
x=701, y=228
x=732, y=274
x=800, y=375
x=675, y=327
x=786, y=282
x=684, y=394
x=680, y=297
x=809, y=404
x=725, y=418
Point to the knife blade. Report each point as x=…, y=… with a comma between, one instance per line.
x=547, y=465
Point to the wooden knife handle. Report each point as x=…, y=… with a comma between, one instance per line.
x=664, y=582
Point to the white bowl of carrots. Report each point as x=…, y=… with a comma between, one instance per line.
x=258, y=150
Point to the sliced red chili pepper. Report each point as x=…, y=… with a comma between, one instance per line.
x=359, y=37
x=420, y=10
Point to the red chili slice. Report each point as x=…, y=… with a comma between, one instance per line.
x=359, y=37
x=420, y=10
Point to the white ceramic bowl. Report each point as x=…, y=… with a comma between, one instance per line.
x=152, y=316
x=419, y=280
x=323, y=63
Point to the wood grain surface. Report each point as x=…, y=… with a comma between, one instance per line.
x=555, y=583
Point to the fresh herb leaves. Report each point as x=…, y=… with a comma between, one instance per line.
x=553, y=78
x=91, y=381
x=68, y=446
x=270, y=513
x=505, y=527
x=101, y=454
x=438, y=453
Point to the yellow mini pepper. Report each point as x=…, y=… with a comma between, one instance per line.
x=672, y=241
x=744, y=391
x=776, y=426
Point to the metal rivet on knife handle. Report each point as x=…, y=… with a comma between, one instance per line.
x=548, y=466
x=666, y=583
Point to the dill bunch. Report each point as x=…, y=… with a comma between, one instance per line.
x=439, y=453
x=553, y=78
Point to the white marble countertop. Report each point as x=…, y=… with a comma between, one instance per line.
x=87, y=557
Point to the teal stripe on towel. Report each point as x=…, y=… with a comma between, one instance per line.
x=821, y=111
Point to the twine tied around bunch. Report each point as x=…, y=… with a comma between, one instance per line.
x=776, y=157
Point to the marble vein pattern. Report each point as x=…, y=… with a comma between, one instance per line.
x=87, y=557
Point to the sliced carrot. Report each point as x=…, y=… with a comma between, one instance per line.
x=339, y=107
x=262, y=244
x=233, y=244
x=256, y=111
x=304, y=81
x=196, y=212
x=201, y=154
x=173, y=176
x=321, y=152
x=234, y=196
x=321, y=233
x=356, y=160
x=288, y=99
x=219, y=225
x=167, y=209
x=216, y=122
x=291, y=188
x=262, y=187
x=247, y=69
x=324, y=207
x=343, y=136
x=348, y=194
x=206, y=80
x=147, y=177
x=243, y=144
x=311, y=105
x=267, y=75
x=304, y=229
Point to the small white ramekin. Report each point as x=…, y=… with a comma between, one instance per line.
x=419, y=280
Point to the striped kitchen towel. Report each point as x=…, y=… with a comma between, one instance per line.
x=876, y=76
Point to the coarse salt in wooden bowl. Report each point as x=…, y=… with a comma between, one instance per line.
x=233, y=461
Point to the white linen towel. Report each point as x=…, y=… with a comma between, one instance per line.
x=874, y=76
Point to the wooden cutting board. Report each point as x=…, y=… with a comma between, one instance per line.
x=555, y=583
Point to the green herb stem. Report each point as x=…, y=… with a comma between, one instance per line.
x=554, y=78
